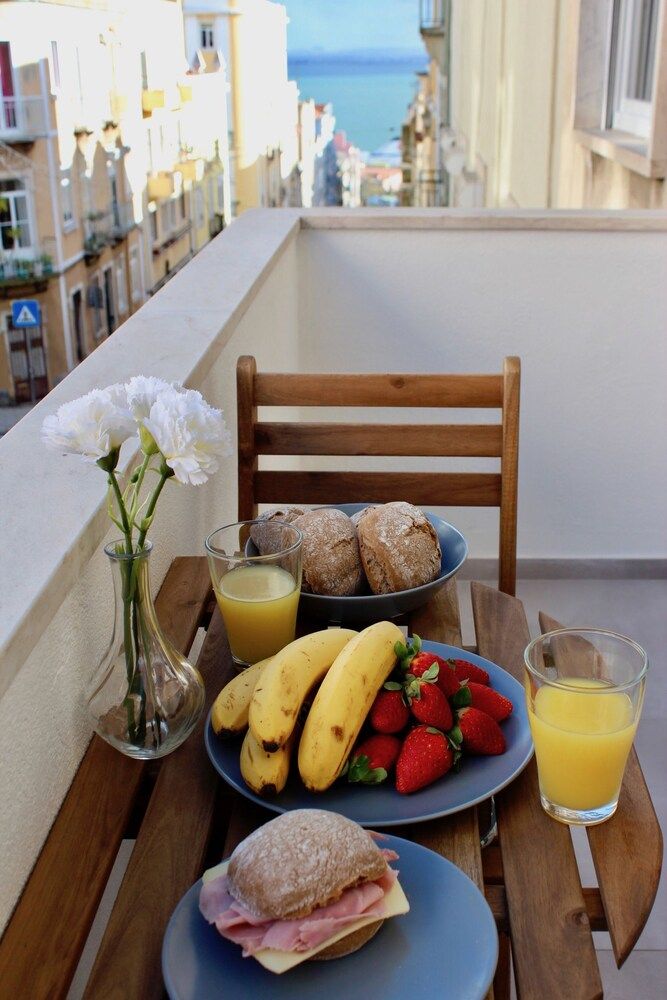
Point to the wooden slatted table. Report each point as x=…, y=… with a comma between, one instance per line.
x=185, y=819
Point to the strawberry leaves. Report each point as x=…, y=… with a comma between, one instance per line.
x=360, y=771
x=462, y=698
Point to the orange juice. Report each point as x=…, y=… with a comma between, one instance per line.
x=582, y=741
x=258, y=605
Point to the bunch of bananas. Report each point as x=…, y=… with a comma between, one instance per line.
x=268, y=698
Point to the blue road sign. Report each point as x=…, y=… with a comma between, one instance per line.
x=25, y=313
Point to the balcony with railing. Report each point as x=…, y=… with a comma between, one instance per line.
x=581, y=298
x=22, y=119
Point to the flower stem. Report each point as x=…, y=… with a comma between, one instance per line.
x=165, y=474
x=137, y=488
x=127, y=528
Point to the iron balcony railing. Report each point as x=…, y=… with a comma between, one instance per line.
x=21, y=118
x=432, y=16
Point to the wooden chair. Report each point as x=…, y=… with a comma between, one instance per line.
x=476, y=489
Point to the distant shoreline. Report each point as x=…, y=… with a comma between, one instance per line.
x=368, y=62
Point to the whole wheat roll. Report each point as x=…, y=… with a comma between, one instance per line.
x=330, y=553
x=399, y=547
x=269, y=540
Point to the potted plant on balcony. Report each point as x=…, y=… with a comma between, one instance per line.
x=47, y=263
x=145, y=698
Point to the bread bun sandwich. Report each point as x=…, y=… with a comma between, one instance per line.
x=308, y=884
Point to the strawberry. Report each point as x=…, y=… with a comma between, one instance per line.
x=466, y=671
x=425, y=756
x=373, y=759
x=490, y=701
x=430, y=706
x=389, y=713
x=435, y=668
x=480, y=733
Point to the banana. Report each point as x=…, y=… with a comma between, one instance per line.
x=343, y=702
x=286, y=681
x=229, y=714
x=265, y=773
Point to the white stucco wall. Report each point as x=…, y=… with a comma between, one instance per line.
x=585, y=311
x=373, y=291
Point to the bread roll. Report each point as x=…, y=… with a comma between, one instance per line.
x=399, y=548
x=303, y=859
x=269, y=541
x=331, y=560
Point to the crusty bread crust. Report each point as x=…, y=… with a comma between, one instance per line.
x=345, y=946
x=269, y=541
x=302, y=860
x=399, y=548
x=331, y=560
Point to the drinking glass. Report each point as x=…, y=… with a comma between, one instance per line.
x=584, y=691
x=258, y=595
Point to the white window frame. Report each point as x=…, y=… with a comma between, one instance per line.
x=10, y=196
x=121, y=286
x=627, y=114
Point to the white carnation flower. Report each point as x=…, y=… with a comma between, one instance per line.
x=143, y=390
x=190, y=434
x=92, y=426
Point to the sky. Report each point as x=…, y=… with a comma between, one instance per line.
x=344, y=25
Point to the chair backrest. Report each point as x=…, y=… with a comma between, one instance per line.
x=477, y=489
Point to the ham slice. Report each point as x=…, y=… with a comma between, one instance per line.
x=238, y=924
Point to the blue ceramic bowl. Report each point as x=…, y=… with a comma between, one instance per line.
x=370, y=608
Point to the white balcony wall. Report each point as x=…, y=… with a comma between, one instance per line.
x=582, y=304
x=584, y=310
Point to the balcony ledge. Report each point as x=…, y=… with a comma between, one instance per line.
x=623, y=148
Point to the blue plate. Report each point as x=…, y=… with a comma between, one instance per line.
x=446, y=946
x=369, y=608
x=381, y=805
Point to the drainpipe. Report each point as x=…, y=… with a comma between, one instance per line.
x=54, y=173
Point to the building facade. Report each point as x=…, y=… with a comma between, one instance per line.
x=113, y=173
x=555, y=104
x=249, y=38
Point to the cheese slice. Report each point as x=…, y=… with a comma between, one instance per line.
x=395, y=904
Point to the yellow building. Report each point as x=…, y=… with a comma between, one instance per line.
x=551, y=104
x=249, y=37
x=112, y=173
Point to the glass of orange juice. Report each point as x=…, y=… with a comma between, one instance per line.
x=584, y=690
x=258, y=595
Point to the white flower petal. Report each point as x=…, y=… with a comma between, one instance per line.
x=91, y=426
x=189, y=433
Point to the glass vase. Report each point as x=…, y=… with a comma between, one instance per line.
x=145, y=697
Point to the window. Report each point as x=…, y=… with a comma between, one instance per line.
x=15, y=232
x=153, y=224
x=121, y=285
x=135, y=275
x=221, y=192
x=7, y=98
x=67, y=200
x=207, y=35
x=96, y=304
x=144, y=71
x=632, y=66
x=181, y=199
